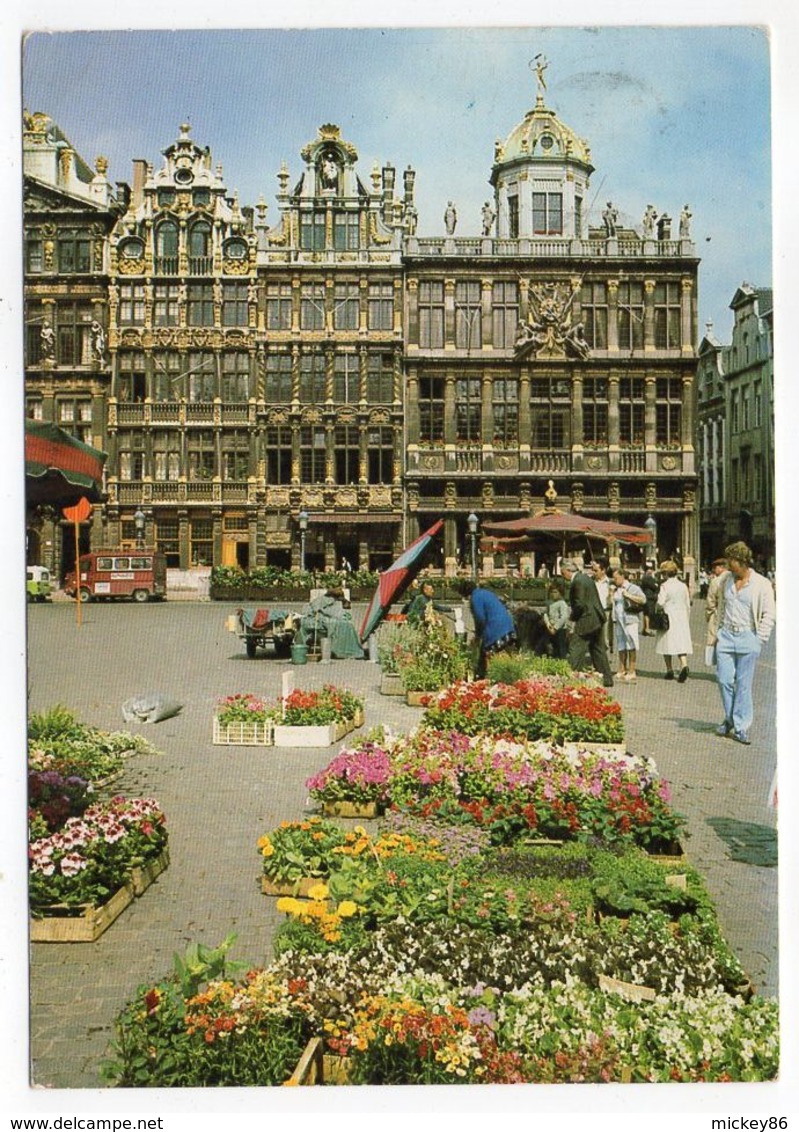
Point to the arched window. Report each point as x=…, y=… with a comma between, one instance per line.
x=200, y=240
x=167, y=239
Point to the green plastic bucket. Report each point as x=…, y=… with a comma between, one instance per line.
x=299, y=654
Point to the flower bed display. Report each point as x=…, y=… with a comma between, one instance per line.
x=561, y=710
x=511, y=789
x=507, y=922
x=58, y=744
x=114, y=847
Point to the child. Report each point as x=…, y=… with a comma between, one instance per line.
x=556, y=620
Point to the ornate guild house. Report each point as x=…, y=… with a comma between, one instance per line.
x=329, y=362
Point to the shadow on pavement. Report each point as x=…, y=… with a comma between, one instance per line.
x=703, y=726
x=660, y=674
x=747, y=842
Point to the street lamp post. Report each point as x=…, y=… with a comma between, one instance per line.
x=473, y=522
x=652, y=527
x=302, y=519
x=139, y=522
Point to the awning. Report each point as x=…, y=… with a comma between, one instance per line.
x=59, y=469
x=344, y=518
x=567, y=523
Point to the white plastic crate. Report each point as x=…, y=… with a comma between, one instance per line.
x=244, y=734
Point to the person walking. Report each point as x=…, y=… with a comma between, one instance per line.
x=718, y=568
x=651, y=587
x=628, y=603
x=675, y=601
x=746, y=615
x=556, y=621
x=493, y=624
x=589, y=622
x=599, y=572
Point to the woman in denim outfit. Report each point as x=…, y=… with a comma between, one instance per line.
x=746, y=616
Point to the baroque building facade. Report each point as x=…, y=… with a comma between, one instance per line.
x=336, y=363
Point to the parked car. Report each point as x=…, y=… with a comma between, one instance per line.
x=38, y=585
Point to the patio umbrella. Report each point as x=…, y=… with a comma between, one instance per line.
x=59, y=469
x=393, y=582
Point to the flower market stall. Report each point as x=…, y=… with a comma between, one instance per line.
x=522, y=910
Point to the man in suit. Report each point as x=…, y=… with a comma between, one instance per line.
x=589, y=622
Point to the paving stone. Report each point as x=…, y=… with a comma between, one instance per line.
x=218, y=800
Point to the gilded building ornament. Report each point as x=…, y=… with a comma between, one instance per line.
x=668, y=463
x=235, y=266
x=651, y=495
x=377, y=237
x=549, y=332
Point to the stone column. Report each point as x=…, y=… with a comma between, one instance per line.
x=613, y=314
x=650, y=423
x=413, y=311
x=613, y=420
x=686, y=316
x=649, y=314
x=577, y=420
x=449, y=409
x=449, y=314
x=486, y=313
x=524, y=419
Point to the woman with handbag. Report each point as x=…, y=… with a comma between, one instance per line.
x=673, y=638
x=628, y=602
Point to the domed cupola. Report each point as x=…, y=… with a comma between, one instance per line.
x=540, y=175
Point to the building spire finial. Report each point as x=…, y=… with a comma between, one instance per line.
x=539, y=64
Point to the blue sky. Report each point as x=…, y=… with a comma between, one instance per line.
x=672, y=114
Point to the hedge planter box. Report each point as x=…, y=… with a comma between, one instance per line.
x=244, y=733
x=299, y=887
x=321, y=735
x=62, y=925
x=391, y=684
x=142, y=876
x=351, y=809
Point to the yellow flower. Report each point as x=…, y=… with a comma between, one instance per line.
x=262, y=841
x=268, y=850
x=318, y=892
x=289, y=904
x=347, y=908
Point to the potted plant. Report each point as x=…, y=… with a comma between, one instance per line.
x=396, y=644
x=438, y=659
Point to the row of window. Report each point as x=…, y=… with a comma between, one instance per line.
x=550, y=410
x=746, y=408
x=595, y=310
x=748, y=479
x=202, y=375
x=165, y=454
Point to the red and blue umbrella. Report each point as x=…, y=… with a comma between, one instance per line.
x=393, y=582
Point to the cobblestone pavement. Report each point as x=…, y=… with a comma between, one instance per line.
x=219, y=800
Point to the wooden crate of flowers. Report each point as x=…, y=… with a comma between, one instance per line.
x=243, y=720
x=318, y=718
x=84, y=875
